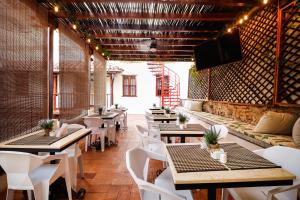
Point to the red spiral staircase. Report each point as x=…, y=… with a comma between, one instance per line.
x=168, y=83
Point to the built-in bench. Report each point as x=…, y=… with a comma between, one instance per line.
x=240, y=120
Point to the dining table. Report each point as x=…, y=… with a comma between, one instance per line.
x=164, y=118
x=155, y=108
x=175, y=130
x=192, y=167
x=161, y=112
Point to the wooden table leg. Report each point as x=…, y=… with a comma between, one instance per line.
x=211, y=195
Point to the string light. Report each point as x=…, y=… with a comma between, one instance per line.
x=245, y=17
x=97, y=48
x=88, y=40
x=102, y=54
x=241, y=21
x=107, y=58
x=74, y=26
x=56, y=9
x=265, y=2
x=192, y=59
x=229, y=30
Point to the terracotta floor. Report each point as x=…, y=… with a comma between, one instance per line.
x=106, y=176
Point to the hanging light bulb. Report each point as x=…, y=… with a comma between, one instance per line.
x=265, y=1
x=245, y=17
x=107, y=58
x=102, y=54
x=56, y=8
x=97, y=48
x=192, y=59
x=74, y=26
x=88, y=40
x=229, y=30
x=241, y=21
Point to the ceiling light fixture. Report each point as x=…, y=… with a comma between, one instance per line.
x=74, y=26
x=241, y=21
x=88, y=40
x=265, y=2
x=56, y=9
x=229, y=30
x=245, y=17
x=97, y=48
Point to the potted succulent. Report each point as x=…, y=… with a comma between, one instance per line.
x=47, y=125
x=116, y=106
x=182, y=120
x=162, y=107
x=154, y=105
x=168, y=112
x=211, y=138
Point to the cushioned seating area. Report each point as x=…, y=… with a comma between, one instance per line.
x=242, y=129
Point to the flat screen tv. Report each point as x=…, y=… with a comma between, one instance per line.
x=207, y=54
x=231, y=47
x=225, y=49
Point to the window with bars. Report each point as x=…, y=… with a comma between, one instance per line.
x=129, y=85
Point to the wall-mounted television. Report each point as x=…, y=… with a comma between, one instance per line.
x=225, y=49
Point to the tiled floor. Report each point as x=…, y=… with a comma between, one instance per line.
x=106, y=176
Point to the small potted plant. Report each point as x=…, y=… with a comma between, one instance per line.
x=154, y=105
x=47, y=125
x=168, y=112
x=211, y=138
x=116, y=106
x=182, y=120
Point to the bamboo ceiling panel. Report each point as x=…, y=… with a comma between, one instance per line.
x=289, y=67
x=73, y=74
x=23, y=67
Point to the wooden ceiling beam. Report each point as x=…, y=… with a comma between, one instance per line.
x=143, y=36
x=222, y=17
x=140, y=48
x=132, y=53
x=227, y=3
x=120, y=27
x=160, y=43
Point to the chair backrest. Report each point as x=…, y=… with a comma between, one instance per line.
x=93, y=122
x=141, y=129
x=289, y=159
x=222, y=129
x=17, y=166
x=137, y=164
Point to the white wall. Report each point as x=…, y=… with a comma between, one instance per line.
x=145, y=84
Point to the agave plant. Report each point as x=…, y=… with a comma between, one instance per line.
x=47, y=124
x=211, y=136
x=182, y=118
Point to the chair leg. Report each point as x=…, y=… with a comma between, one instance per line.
x=29, y=195
x=102, y=138
x=10, y=194
x=80, y=163
x=68, y=182
x=225, y=194
x=86, y=143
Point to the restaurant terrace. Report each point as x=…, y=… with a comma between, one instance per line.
x=150, y=99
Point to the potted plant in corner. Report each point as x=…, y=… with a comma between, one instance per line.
x=168, y=112
x=182, y=120
x=211, y=138
x=47, y=125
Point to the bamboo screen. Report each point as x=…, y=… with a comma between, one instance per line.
x=198, y=84
x=23, y=67
x=73, y=74
x=289, y=67
x=249, y=80
x=99, y=80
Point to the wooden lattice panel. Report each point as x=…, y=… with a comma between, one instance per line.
x=73, y=75
x=289, y=67
x=23, y=67
x=198, y=84
x=250, y=80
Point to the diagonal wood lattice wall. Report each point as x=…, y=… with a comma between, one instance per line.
x=23, y=67
x=251, y=80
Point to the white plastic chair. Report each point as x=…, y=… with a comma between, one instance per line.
x=163, y=188
x=34, y=173
x=95, y=123
x=222, y=129
x=75, y=159
x=286, y=157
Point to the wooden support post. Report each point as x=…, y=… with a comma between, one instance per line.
x=51, y=22
x=111, y=89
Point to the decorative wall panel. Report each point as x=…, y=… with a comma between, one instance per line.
x=23, y=67
x=198, y=84
x=99, y=80
x=73, y=74
x=289, y=66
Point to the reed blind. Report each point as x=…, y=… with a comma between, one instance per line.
x=99, y=80
x=73, y=74
x=23, y=67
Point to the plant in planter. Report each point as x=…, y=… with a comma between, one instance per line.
x=162, y=107
x=47, y=125
x=168, y=112
x=116, y=106
x=211, y=138
x=182, y=120
x=154, y=105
